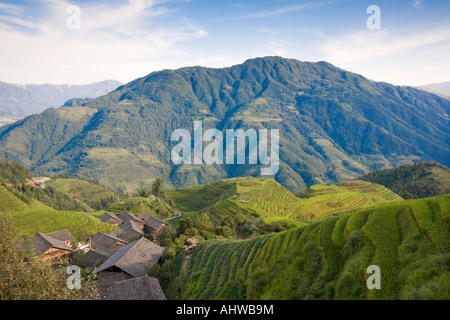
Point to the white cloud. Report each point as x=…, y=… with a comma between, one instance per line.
x=369, y=44
x=407, y=57
x=416, y=4
x=114, y=42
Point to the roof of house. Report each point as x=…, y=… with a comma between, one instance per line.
x=107, y=217
x=144, y=215
x=133, y=258
x=154, y=223
x=131, y=225
x=63, y=235
x=129, y=216
x=105, y=242
x=42, y=243
x=142, y=288
x=92, y=256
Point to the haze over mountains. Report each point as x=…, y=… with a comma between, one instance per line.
x=19, y=101
x=442, y=88
x=333, y=124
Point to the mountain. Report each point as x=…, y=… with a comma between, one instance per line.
x=19, y=101
x=441, y=89
x=413, y=181
x=333, y=125
x=408, y=240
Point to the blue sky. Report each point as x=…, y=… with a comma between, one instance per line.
x=128, y=39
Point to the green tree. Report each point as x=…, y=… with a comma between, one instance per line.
x=185, y=224
x=166, y=236
x=157, y=189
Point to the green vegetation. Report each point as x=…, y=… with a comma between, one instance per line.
x=334, y=125
x=23, y=276
x=80, y=224
x=242, y=199
x=91, y=196
x=408, y=240
x=413, y=181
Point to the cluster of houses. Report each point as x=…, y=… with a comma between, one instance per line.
x=122, y=266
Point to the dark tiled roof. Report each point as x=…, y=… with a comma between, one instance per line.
x=142, y=288
x=129, y=216
x=110, y=218
x=91, y=257
x=128, y=230
x=154, y=223
x=105, y=242
x=42, y=243
x=131, y=225
x=145, y=215
x=133, y=258
x=63, y=235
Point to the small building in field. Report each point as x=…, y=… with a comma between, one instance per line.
x=141, y=288
x=110, y=219
x=131, y=260
x=51, y=250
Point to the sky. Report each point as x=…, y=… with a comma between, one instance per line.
x=405, y=42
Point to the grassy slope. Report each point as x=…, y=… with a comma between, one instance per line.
x=48, y=220
x=408, y=240
x=81, y=191
x=246, y=198
x=37, y=217
x=9, y=202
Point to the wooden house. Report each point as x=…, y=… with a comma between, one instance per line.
x=51, y=250
x=153, y=225
x=131, y=260
x=141, y=288
x=63, y=235
x=109, y=218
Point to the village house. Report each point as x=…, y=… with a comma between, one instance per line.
x=109, y=218
x=101, y=247
x=51, y=250
x=63, y=235
x=141, y=288
x=152, y=224
x=130, y=261
x=126, y=216
x=128, y=230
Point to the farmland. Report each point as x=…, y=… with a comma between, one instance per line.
x=408, y=240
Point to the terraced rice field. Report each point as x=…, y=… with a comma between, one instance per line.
x=408, y=240
x=49, y=220
x=266, y=198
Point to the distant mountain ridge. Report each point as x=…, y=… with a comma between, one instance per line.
x=334, y=125
x=413, y=181
x=19, y=101
x=441, y=89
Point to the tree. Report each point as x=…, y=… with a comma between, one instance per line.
x=157, y=189
x=24, y=276
x=166, y=236
x=143, y=192
x=185, y=224
x=203, y=222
